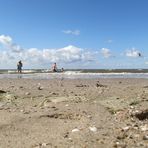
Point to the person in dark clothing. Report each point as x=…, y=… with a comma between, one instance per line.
x=19, y=66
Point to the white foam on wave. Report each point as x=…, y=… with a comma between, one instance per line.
x=73, y=75
x=72, y=72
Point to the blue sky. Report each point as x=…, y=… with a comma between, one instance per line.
x=74, y=33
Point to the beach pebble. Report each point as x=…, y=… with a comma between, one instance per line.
x=136, y=135
x=125, y=128
x=144, y=128
x=93, y=128
x=2, y=91
x=75, y=130
x=145, y=137
x=27, y=93
x=131, y=107
x=44, y=144
x=39, y=88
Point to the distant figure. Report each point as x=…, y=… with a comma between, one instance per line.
x=62, y=69
x=19, y=66
x=54, y=67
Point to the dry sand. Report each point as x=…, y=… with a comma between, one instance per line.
x=60, y=113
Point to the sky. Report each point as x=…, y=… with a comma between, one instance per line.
x=79, y=34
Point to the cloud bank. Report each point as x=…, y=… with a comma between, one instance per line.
x=69, y=56
x=134, y=53
x=11, y=53
x=106, y=52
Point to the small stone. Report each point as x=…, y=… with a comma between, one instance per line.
x=39, y=88
x=125, y=128
x=144, y=128
x=145, y=137
x=27, y=93
x=131, y=107
x=75, y=130
x=136, y=135
x=93, y=128
x=44, y=144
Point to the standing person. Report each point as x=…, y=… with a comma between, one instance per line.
x=62, y=69
x=54, y=67
x=19, y=66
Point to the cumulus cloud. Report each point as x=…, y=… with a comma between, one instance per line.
x=106, y=52
x=39, y=57
x=133, y=53
x=146, y=62
x=73, y=32
x=6, y=41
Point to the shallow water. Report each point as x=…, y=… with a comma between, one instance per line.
x=75, y=75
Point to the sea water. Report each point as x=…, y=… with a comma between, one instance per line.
x=76, y=74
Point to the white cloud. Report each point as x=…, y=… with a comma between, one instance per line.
x=41, y=57
x=133, y=53
x=106, y=52
x=6, y=41
x=73, y=32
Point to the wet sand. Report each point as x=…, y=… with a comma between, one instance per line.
x=80, y=113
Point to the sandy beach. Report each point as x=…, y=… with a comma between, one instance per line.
x=79, y=113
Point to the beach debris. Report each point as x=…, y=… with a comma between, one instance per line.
x=145, y=86
x=134, y=103
x=100, y=85
x=145, y=137
x=93, y=128
x=143, y=115
x=2, y=91
x=144, y=127
x=54, y=93
x=21, y=110
x=41, y=145
x=126, y=128
x=82, y=85
x=44, y=144
x=66, y=135
x=131, y=107
x=39, y=87
x=68, y=116
x=120, y=145
x=27, y=93
x=58, y=99
x=44, y=103
x=75, y=130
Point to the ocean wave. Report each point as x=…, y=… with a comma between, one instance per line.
x=47, y=74
x=24, y=71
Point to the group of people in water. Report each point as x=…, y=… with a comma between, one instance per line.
x=53, y=68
